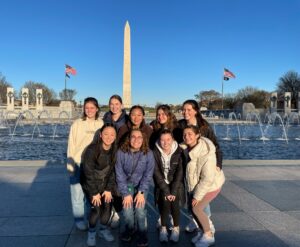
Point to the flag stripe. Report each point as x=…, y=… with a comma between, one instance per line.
x=228, y=73
x=70, y=70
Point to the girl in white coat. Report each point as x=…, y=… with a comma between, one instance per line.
x=204, y=180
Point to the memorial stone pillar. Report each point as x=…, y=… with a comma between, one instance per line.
x=39, y=99
x=25, y=99
x=273, y=102
x=287, y=102
x=10, y=99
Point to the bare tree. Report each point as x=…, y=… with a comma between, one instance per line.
x=48, y=94
x=289, y=82
x=3, y=88
x=208, y=98
x=67, y=94
x=259, y=98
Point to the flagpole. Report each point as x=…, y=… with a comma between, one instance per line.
x=65, y=92
x=222, y=89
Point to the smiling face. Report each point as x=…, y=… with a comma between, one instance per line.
x=166, y=141
x=161, y=117
x=108, y=137
x=90, y=110
x=190, y=137
x=189, y=113
x=136, y=140
x=115, y=106
x=136, y=117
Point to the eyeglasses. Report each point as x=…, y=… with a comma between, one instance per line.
x=139, y=138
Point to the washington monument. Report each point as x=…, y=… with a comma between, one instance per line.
x=127, y=68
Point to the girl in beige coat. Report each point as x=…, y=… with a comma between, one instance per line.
x=203, y=179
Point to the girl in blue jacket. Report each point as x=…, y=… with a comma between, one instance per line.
x=134, y=172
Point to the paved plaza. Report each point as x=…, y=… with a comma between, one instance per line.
x=258, y=206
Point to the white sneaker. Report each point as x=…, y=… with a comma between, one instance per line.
x=197, y=237
x=91, y=240
x=212, y=227
x=106, y=234
x=205, y=241
x=191, y=226
x=115, y=220
x=175, y=234
x=81, y=225
x=163, y=235
x=200, y=232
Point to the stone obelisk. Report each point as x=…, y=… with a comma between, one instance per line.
x=127, y=68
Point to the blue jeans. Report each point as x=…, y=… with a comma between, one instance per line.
x=138, y=215
x=78, y=199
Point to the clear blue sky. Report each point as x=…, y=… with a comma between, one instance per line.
x=178, y=48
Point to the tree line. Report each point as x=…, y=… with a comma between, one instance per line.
x=49, y=95
x=289, y=82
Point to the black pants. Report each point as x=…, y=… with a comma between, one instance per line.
x=118, y=203
x=166, y=207
x=103, y=212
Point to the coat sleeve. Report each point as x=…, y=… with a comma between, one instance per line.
x=148, y=173
x=207, y=177
x=89, y=164
x=71, y=148
x=120, y=174
x=111, y=181
x=159, y=177
x=178, y=177
x=211, y=135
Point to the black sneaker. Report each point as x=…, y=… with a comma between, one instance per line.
x=142, y=240
x=127, y=235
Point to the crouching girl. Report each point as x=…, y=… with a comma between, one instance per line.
x=168, y=178
x=204, y=179
x=134, y=170
x=98, y=180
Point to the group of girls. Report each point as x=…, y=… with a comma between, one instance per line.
x=113, y=161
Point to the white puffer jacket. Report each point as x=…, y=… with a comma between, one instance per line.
x=202, y=175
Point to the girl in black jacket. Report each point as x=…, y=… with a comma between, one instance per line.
x=168, y=178
x=98, y=180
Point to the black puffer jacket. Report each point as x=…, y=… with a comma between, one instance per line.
x=98, y=170
x=205, y=132
x=175, y=175
x=107, y=118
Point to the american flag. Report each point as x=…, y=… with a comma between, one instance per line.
x=228, y=74
x=70, y=70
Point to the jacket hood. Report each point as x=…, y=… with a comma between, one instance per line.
x=203, y=148
x=173, y=148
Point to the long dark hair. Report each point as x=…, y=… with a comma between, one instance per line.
x=139, y=108
x=95, y=103
x=125, y=147
x=201, y=122
x=113, y=148
x=171, y=122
